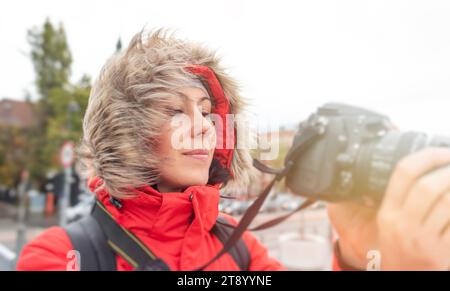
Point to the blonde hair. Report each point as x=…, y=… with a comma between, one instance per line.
x=127, y=108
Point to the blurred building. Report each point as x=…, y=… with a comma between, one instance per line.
x=284, y=139
x=16, y=113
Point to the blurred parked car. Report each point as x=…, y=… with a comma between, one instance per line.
x=275, y=202
x=82, y=208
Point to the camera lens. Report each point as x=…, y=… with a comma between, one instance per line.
x=377, y=159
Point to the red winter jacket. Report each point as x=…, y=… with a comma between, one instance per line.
x=175, y=226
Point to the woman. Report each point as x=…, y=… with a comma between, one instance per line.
x=164, y=179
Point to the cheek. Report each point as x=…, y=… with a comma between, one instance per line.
x=165, y=153
x=164, y=141
x=210, y=139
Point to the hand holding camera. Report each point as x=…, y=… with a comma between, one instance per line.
x=391, y=189
x=411, y=228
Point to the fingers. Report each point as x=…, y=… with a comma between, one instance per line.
x=446, y=235
x=408, y=170
x=426, y=192
x=438, y=219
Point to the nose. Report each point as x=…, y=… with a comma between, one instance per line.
x=200, y=125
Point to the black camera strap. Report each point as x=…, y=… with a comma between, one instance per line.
x=272, y=222
x=309, y=135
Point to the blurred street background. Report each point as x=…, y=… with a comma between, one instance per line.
x=41, y=184
x=289, y=56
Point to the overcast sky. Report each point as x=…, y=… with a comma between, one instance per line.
x=290, y=56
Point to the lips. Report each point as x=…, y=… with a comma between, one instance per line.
x=197, y=154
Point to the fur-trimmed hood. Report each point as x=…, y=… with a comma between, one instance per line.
x=140, y=75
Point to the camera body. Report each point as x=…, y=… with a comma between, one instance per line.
x=354, y=155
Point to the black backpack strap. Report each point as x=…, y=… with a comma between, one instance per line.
x=239, y=252
x=89, y=240
x=126, y=244
x=98, y=238
x=96, y=243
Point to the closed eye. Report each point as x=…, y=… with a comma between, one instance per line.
x=175, y=111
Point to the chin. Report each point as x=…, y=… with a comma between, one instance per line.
x=197, y=180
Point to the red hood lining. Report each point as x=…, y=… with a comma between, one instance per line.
x=222, y=108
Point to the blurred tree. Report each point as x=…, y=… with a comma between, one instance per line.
x=61, y=104
x=14, y=153
x=68, y=105
x=51, y=57
x=58, y=112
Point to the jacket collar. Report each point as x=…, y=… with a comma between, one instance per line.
x=166, y=216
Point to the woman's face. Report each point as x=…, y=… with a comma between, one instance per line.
x=186, y=145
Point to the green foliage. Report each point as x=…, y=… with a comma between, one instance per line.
x=51, y=57
x=58, y=111
x=14, y=153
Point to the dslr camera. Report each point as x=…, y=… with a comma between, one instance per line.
x=353, y=154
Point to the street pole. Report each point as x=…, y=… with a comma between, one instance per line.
x=64, y=202
x=67, y=161
x=22, y=211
